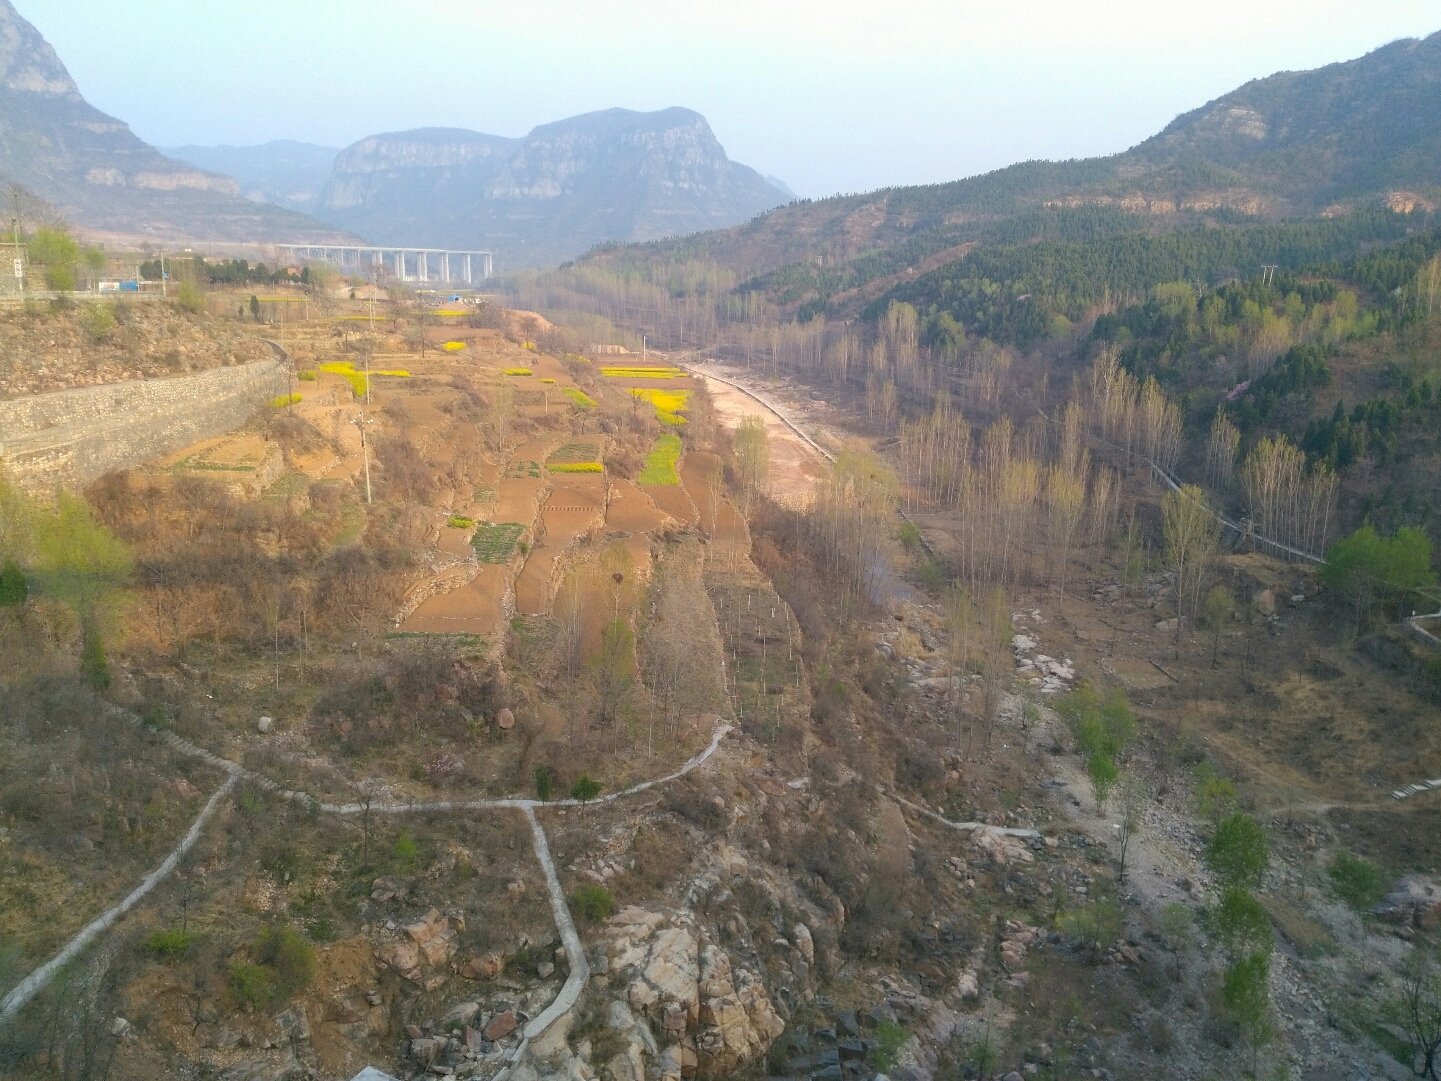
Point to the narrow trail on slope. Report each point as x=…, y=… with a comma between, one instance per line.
x=38, y=980
x=575, y=983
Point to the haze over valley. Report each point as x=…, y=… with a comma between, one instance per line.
x=558, y=604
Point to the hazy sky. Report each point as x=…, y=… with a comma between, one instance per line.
x=843, y=96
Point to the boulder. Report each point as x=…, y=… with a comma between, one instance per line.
x=968, y=986
x=427, y=1049
x=434, y=936
x=289, y=1070
x=293, y=1024
x=1001, y=848
x=1264, y=602
x=403, y=958
x=500, y=1026
x=805, y=944
x=482, y=966
x=1414, y=900
x=264, y=725
x=460, y=1015
x=505, y=720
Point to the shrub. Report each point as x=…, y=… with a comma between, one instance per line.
x=13, y=588
x=307, y=376
x=189, y=298
x=453, y=347
x=289, y=957
x=890, y=1037
x=250, y=985
x=168, y=945
x=1097, y=925
x=1215, y=795
x=544, y=783
x=460, y=521
x=1237, y=853
x=93, y=664
x=576, y=467
x=99, y=322
x=1356, y=881
x=592, y=903
x=281, y=401
x=586, y=788
x=405, y=851
x=518, y=371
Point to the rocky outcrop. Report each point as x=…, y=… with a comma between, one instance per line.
x=612, y=175
x=98, y=175
x=681, y=1002
x=1414, y=901
x=424, y=949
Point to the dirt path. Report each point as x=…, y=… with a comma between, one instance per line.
x=579, y=969
x=38, y=980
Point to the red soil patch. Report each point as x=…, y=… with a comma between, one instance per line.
x=674, y=500
x=633, y=510
x=475, y=608
x=518, y=500
x=576, y=506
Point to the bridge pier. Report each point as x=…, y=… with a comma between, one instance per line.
x=447, y=264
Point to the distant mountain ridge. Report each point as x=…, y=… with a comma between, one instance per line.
x=282, y=172
x=1294, y=144
x=93, y=170
x=614, y=175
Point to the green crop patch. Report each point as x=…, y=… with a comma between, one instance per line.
x=660, y=463
x=496, y=543
x=574, y=452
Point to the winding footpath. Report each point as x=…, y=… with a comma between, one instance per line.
x=575, y=983
x=34, y=983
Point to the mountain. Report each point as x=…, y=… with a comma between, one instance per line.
x=282, y=172
x=614, y=175
x=1292, y=145
x=94, y=171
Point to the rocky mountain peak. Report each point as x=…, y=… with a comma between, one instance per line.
x=616, y=174
x=28, y=64
x=97, y=174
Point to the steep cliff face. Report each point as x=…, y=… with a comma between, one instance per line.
x=612, y=175
x=282, y=172
x=93, y=170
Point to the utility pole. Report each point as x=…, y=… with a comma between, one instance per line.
x=365, y=420
x=19, y=259
x=15, y=227
x=364, y=454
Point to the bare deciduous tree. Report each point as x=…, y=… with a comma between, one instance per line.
x=1190, y=534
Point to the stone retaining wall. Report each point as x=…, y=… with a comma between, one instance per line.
x=69, y=438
